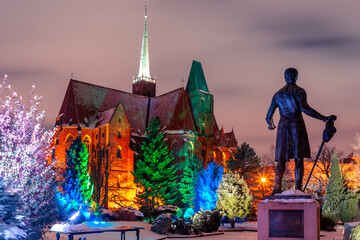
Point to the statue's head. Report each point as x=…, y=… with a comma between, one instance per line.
x=291, y=75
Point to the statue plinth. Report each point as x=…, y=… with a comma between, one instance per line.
x=292, y=215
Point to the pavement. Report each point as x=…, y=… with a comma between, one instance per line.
x=244, y=231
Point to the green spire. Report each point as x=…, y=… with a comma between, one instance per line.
x=144, y=69
x=196, y=79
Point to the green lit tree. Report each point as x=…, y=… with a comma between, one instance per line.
x=245, y=161
x=189, y=179
x=334, y=191
x=77, y=188
x=154, y=171
x=234, y=199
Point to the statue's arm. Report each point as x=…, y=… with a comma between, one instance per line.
x=270, y=113
x=305, y=108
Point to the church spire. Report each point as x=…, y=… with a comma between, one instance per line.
x=144, y=69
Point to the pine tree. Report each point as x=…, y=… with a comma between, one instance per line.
x=334, y=191
x=234, y=199
x=77, y=188
x=154, y=171
x=207, y=184
x=25, y=147
x=189, y=179
x=245, y=161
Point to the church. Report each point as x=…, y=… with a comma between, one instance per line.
x=112, y=124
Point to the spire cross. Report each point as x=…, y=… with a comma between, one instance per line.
x=145, y=13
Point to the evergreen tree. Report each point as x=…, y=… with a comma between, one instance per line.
x=207, y=184
x=334, y=191
x=189, y=179
x=245, y=161
x=25, y=148
x=77, y=188
x=234, y=199
x=154, y=171
x=9, y=209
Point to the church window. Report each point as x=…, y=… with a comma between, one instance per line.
x=175, y=147
x=119, y=134
x=87, y=142
x=96, y=136
x=118, y=152
x=69, y=140
x=103, y=134
x=202, y=106
x=191, y=150
x=119, y=119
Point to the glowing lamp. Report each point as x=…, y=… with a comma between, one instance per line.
x=263, y=180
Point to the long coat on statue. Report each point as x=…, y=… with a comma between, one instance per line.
x=292, y=139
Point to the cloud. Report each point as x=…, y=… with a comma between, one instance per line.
x=17, y=73
x=327, y=36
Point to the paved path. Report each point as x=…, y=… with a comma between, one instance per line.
x=241, y=232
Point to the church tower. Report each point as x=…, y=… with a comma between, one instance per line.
x=144, y=84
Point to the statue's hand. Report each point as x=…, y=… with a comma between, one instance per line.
x=271, y=125
x=332, y=118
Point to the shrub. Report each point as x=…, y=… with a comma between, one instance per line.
x=349, y=207
x=188, y=214
x=327, y=224
x=207, y=221
x=179, y=213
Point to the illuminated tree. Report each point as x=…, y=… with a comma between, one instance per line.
x=189, y=179
x=207, y=184
x=245, y=161
x=25, y=147
x=334, y=191
x=154, y=171
x=77, y=188
x=9, y=206
x=234, y=199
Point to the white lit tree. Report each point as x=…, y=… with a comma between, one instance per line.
x=25, y=147
x=234, y=198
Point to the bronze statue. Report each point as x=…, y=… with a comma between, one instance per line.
x=292, y=139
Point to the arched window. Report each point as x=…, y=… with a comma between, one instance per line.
x=69, y=140
x=118, y=152
x=87, y=141
x=202, y=106
x=175, y=147
x=191, y=150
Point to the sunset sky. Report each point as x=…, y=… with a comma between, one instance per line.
x=244, y=47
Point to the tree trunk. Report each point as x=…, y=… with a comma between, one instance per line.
x=232, y=222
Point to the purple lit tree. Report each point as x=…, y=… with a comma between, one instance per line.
x=25, y=148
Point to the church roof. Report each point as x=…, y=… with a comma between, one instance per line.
x=90, y=105
x=83, y=103
x=196, y=79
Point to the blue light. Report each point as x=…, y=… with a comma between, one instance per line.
x=73, y=217
x=87, y=215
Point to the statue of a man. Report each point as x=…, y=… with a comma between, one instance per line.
x=292, y=139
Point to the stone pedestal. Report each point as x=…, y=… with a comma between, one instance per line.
x=292, y=215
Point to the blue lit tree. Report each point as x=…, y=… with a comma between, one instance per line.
x=207, y=184
x=77, y=188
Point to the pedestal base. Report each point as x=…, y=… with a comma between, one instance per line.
x=288, y=217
